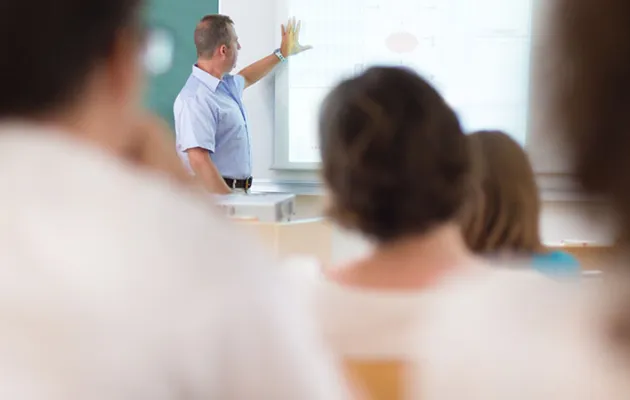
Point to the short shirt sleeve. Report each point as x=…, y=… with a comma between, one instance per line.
x=195, y=125
x=239, y=83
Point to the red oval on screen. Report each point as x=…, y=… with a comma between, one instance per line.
x=401, y=42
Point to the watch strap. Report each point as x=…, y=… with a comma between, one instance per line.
x=278, y=54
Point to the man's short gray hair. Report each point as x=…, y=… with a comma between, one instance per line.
x=212, y=32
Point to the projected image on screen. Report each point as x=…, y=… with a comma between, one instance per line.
x=476, y=53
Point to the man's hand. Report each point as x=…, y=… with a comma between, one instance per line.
x=291, y=39
x=290, y=46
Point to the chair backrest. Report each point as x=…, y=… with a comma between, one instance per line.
x=379, y=379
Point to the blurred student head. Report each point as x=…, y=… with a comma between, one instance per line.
x=73, y=63
x=592, y=95
x=592, y=103
x=394, y=155
x=502, y=210
x=593, y=98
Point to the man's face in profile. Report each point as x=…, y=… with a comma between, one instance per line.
x=235, y=46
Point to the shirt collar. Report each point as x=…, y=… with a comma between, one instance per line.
x=211, y=81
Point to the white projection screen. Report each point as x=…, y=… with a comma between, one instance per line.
x=476, y=53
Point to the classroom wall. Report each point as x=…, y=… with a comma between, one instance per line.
x=257, y=27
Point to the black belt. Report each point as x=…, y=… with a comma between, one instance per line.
x=244, y=184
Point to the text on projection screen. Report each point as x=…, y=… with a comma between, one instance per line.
x=475, y=52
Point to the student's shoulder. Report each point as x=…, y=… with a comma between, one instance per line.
x=494, y=324
x=495, y=293
x=123, y=205
x=186, y=221
x=482, y=305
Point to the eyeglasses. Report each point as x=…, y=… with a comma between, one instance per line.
x=159, y=50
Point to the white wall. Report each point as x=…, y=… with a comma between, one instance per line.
x=257, y=28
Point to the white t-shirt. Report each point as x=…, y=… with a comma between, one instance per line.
x=373, y=323
x=520, y=336
x=369, y=324
x=116, y=284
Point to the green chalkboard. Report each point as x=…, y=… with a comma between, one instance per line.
x=179, y=17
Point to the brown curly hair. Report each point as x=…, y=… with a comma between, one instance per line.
x=394, y=155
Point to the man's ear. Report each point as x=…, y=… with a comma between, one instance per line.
x=223, y=50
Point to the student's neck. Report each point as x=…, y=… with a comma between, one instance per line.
x=412, y=263
x=92, y=124
x=210, y=67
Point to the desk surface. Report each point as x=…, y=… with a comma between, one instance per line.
x=590, y=257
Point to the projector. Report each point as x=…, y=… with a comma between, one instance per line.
x=262, y=207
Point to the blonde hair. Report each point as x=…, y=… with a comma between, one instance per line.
x=502, y=210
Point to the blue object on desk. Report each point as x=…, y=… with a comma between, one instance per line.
x=556, y=263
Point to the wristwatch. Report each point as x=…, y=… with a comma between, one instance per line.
x=278, y=54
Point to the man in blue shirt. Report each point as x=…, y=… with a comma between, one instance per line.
x=212, y=132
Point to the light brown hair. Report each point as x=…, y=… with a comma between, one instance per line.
x=502, y=210
x=212, y=32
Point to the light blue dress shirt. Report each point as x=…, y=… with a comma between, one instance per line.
x=209, y=114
